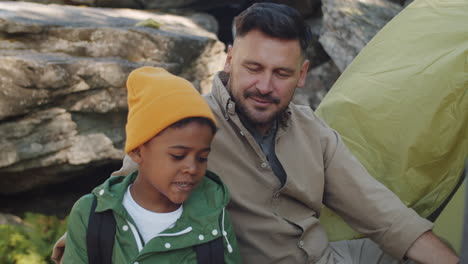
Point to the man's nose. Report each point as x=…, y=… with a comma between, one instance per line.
x=264, y=84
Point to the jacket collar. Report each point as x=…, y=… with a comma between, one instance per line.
x=110, y=194
x=203, y=211
x=222, y=96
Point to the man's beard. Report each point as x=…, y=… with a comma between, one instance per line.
x=250, y=114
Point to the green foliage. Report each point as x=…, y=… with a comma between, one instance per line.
x=149, y=23
x=31, y=242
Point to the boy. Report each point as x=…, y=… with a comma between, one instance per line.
x=167, y=208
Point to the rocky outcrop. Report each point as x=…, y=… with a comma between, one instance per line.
x=62, y=82
x=47, y=146
x=306, y=7
x=319, y=80
x=144, y=4
x=63, y=70
x=349, y=24
x=337, y=37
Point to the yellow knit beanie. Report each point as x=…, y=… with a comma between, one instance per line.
x=156, y=100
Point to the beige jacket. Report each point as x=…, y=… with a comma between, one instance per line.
x=281, y=225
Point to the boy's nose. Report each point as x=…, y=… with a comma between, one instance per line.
x=190, y=167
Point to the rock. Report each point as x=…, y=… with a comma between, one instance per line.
x=82, y=32
x=142, y=4
x=305, y=7
x=62, y=83
x=9, y=219
x=48, y=141
x=407, y=2
x=315, y=52
x=399, y=2
x=350, y=24
x=319, y=81
x=37, y=135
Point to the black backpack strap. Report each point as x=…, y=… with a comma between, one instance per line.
x=100, y=236
x=211, y=252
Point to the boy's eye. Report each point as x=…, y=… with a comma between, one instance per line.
x=202, y=159
x=178, y=157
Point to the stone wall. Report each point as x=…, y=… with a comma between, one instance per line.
x=63, y=65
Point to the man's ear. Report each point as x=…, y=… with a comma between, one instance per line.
x=135, y=155
x=303, y=73
x=227, y=63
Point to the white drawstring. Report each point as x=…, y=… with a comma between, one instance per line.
x=229, y=247
x=186, y=230
x=138, y=240
x=136, y=235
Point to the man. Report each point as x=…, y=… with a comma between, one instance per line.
x=281, y=162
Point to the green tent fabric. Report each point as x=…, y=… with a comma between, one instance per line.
x=449, y=224
x=402, y=106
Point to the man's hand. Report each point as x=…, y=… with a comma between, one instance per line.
x=59, y=248
x=428, y=249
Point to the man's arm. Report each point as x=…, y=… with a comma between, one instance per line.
x=428, y=248
x=59, y=248
x=373, y=210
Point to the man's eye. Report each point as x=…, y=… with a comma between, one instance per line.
x=251, y=69
x=283, y=75
x=201, y=159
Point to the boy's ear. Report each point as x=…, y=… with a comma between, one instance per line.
x=135, y=155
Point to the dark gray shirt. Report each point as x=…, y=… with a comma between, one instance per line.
x=267, y=144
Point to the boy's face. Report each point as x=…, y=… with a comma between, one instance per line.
x=171, y=165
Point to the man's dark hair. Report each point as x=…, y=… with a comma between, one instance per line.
x=275, y=20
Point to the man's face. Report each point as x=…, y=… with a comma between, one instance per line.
x=264, y=73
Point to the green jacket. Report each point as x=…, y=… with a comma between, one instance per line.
x=201, y=221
